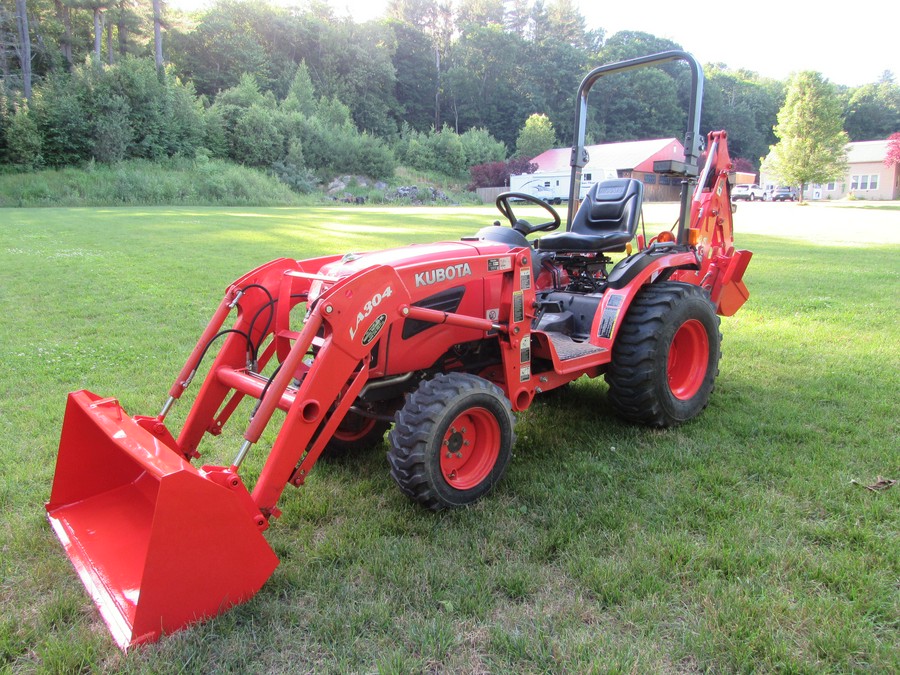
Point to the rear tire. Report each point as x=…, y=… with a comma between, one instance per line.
x=452, y=441
x=666, y=356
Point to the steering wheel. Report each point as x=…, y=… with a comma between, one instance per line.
x=523, y=226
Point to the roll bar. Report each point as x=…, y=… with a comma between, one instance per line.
x=691, y=137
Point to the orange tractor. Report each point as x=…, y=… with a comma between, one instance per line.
x=445, y=341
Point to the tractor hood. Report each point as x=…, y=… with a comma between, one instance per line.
x=415, y=254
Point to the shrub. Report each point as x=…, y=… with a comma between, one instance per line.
x=255, y=138
x=297, y=177
x=23, y=139
x=121, y=111
x=332, y=150
x=215, y=138
x=496, y=174
x=65, y=123
x=442, y=151
x=480, y=147
x=112, y=131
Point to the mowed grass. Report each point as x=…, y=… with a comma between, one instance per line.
x=742, y=541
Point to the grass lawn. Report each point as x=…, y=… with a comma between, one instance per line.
x=742, y=541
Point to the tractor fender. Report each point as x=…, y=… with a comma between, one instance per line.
x=625, y=280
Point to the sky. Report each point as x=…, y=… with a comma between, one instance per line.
x=849, y=44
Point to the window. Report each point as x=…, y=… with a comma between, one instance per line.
x=587, y=176
x=863, y=182
x=831, y=187
x=873, y=182
x=650, y=178
x=854, y=182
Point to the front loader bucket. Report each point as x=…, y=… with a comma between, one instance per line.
x=157, y=544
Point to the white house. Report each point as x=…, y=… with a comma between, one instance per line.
x=867, y=177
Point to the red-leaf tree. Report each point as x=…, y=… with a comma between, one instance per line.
x=743, y=165
x=496, y=174
x=893, y=150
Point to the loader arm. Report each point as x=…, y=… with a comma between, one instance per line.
x=131, y=510
x=351, y=316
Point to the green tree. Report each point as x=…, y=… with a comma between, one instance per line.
x=743, y=104
x=301, y=96
x=479, y=13
x=873, y=110
x=415, y=63
x=535, y=137
x=484, y=85
x=551, y=87
x=256, y=141
x=112, y=132
x=23, y=141
x=642, y=104
x=811, y=144
x=66, y=115
x=480, y=147
x=566, y=23
x=224, y=45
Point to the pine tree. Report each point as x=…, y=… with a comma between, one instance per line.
x=812, y=143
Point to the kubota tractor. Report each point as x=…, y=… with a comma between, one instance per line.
x=446, y=341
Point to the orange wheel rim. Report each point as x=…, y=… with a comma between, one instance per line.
x=470, y=448
x=688, y=360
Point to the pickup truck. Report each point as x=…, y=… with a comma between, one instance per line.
x=750, y=192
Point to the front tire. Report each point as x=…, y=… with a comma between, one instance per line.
x=452, y=441
x=666, y=356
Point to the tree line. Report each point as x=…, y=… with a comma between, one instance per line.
x=303, y=92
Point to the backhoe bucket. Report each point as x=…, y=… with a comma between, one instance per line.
x=157, y=543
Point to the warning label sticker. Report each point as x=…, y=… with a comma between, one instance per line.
x=518, y=307
x=524, y=373
x=608, y=322
x=525, y=278
x=495, y=264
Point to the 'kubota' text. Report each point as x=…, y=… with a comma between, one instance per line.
x=442, y=274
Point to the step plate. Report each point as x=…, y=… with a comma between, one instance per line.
x=567, y=349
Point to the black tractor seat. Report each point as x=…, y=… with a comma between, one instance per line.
x=605, y=222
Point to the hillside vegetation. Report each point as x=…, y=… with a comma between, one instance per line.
x=305, y=95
